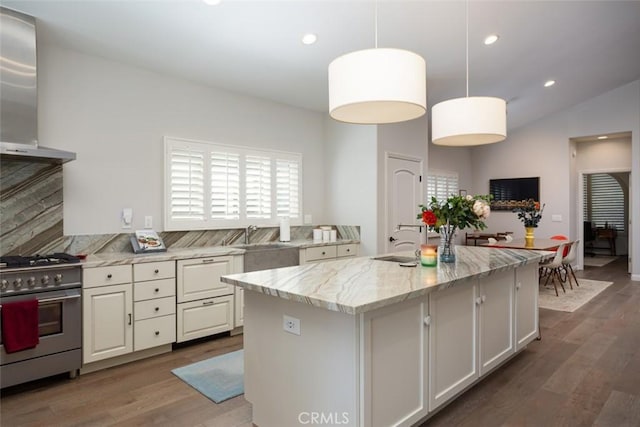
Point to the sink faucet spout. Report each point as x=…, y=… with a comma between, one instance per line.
x=247, y=232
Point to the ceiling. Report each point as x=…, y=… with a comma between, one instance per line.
x=254, y=47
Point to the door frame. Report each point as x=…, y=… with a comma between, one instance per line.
x=580, y=216
x=400, y=156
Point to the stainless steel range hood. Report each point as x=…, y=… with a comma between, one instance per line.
x=18, y=91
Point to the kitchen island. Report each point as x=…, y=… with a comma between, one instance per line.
x=364, y=342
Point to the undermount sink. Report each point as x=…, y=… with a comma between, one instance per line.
x=396, y=258
x=265, y=256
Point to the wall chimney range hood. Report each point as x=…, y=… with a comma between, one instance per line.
x=18, y=92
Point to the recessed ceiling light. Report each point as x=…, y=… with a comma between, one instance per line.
x=549, y=83
x=603, y=137
x=309, y=38
x=491, y=39
x=212, y=2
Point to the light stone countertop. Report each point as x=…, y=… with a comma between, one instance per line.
x=124, y=258
x=358, y=285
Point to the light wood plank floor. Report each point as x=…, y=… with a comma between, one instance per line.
x=584, y=372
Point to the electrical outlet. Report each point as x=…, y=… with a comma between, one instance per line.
x=291, y=324
x=148, y=221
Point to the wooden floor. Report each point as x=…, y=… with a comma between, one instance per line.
x=584, y=372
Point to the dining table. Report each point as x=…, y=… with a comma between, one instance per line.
x=539, y=244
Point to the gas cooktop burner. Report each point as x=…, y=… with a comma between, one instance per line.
x=13, y=261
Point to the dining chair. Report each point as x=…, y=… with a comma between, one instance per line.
x=492, y=241
x=508, y=238
x=567, y=260
x=561, y=237
x=553, y=268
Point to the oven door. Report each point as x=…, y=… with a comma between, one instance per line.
x=59, y=326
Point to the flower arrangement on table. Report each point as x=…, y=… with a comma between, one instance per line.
x=529, y=212
x=453, y=213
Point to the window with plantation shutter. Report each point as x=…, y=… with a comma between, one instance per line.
x=441, y=185
x=211, y=185
x=187, y=183
x=287, y=188
x=225, y=185
x=604, y=201
x=258, y=187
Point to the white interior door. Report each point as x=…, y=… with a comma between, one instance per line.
x=403, y=195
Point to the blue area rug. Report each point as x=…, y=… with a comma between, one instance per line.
x=219, y=378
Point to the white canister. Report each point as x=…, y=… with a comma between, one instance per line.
x=333, y=235
x=326, y=235
x=317, y=235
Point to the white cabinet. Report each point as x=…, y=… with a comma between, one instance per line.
x=206, y=305
x=526, y=305
x=496, y=319
x=201, y=318
x=395, y=357
x=328, y=252
x=107, y=305
x=154, y=308
x=453, y=342
x=239, y=306
x=199, y=278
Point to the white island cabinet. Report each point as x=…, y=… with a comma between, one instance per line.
x=377, y=344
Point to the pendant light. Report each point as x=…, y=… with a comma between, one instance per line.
x=377, y=86
x=469, y=121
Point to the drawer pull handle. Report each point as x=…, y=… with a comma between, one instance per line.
x=207, y=260
x=109, y=276
x=156, y=271
x=130, y=318
x=157, y=308
x=157, y=333
x=157, y=290
x=207, y=303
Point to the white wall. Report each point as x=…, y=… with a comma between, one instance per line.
x=543, y=149
x=607, y=155
x=350, y=179
x=114, y=117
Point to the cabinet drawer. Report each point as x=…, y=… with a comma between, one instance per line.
x=154, y=270
x=103, y=276
x=154, y=308
x=154, y=289
x=347, y=250
x=320, y=253
x=199, y=278
x=198, y=319
x=154, y=332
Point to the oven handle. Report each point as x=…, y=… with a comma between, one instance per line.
x=56, y=299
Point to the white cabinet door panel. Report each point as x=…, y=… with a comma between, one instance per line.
x=199, y=278
x=206, y=317
x=526, y=297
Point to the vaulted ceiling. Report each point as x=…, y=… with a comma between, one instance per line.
x=254, y=47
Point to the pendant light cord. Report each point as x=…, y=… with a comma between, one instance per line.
x=376, y=23
x=467, y=19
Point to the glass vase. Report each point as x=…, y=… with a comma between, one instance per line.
x=447, y=244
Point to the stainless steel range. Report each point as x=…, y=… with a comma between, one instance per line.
x=56, y=282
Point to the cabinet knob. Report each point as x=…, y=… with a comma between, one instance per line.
x=109, y=276
x=478, y=301
x=483, y=298
x=157, y=333
x=348, y=250
x=427, y=320
x=156, y=271
x=157, y=289
x=324, y=253
x=518, y=285
x=157, y=308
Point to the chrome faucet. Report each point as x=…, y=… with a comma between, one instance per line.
x=247, y=232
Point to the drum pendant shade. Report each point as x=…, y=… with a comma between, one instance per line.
x=469, y=121
x=377, y=86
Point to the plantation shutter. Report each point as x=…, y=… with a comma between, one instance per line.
x=287, y=188
x=258, y=187
x=186, y=183
x=604, y=201
x=441, y=186
x=225, y=185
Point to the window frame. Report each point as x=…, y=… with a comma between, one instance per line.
x=172, y=224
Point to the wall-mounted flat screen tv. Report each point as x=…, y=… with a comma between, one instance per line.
x=509, y=193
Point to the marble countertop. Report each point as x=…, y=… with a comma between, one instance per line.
x=123, y=258
x=358, y=285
